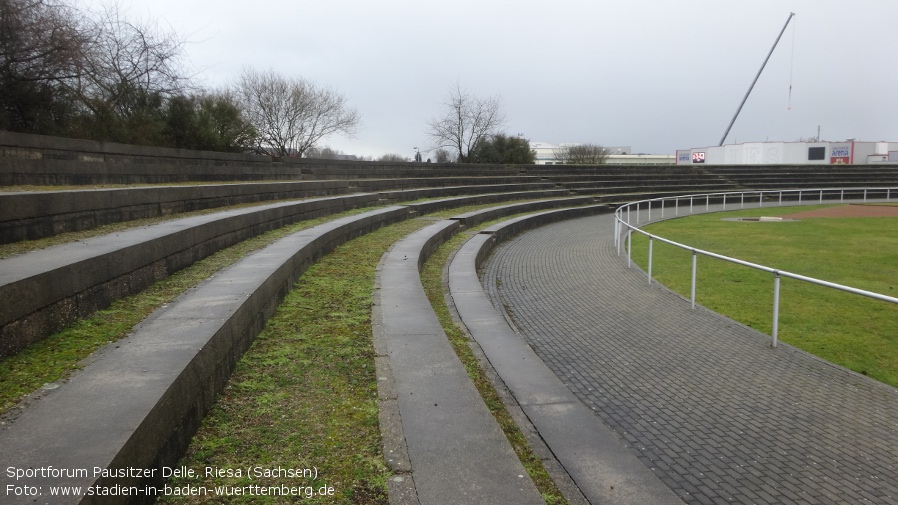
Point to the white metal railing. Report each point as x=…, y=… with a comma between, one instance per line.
x=623, y=225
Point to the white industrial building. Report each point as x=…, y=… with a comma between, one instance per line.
x=849, y=152
x=617, y=155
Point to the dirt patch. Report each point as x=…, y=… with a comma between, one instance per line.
x=848, y=211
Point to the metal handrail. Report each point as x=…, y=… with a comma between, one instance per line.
x=620, y=225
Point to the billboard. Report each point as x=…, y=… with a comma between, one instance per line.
x=840, y=154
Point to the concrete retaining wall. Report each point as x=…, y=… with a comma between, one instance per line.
x=33, y=215
x=42, y=160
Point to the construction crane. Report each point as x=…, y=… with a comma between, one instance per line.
x=727, y=132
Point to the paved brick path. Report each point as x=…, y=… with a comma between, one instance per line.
x=703, y=401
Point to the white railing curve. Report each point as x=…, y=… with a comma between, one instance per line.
x=626, y=214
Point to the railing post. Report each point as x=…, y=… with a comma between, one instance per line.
x=616, y=231
x=707, y=203
x=637, y=212
x=776, y=308
x=842, y=196
x=821, y=196
x=629, y=246
x=651, y=241
x=781, y=198
x=690, y=205
x=662, y=208
x=620, y=225
x=741, y=200
x=617, y=238
x=677, y=206
x=760, y=199
x=724, y=201
x=692, y=291
x=799, y=197
x=865, y=194
x=650, y=212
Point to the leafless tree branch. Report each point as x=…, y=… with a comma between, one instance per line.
x=292, y=115
x=468, y=119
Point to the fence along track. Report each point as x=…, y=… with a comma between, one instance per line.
x=624, y=226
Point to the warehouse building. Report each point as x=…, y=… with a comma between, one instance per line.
x=849, y=152
x=547, y=154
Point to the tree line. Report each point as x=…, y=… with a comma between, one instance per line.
x=101, y=76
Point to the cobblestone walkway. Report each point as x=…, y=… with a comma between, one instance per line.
x=706, y=403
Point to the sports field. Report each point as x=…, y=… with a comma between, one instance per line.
x=826, y=242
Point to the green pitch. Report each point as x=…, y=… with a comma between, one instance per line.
x=853, y=331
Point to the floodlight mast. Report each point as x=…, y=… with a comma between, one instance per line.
x=791, y=15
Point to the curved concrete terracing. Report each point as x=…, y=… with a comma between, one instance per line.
x=158, y=382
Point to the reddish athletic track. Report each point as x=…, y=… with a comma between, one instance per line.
x=848, y=211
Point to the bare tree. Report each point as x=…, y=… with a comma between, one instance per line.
x=42, y=47
x=468, y=119
x=130, y=61
x=581, y=154
x=292, y=115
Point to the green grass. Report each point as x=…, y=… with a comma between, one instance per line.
x=850, y=330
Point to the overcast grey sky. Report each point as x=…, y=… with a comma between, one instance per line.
x=655, y=75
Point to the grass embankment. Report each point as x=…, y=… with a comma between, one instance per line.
x=850, y=330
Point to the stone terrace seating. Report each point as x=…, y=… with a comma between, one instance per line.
x=354, y=185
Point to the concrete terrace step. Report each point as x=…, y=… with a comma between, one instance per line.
x=45, y=290
x=602, y=468
x=457, y=452
x=158, y=383
x=434, y=422
x=102, y=268
x=36, y=214
x=679, y=188
x=50, y=288
x=624, y=181
x=819, y=183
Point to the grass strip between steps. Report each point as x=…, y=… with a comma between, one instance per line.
x=58, y=355
x=304, y=396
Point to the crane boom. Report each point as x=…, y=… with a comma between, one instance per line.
x=727, y=132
